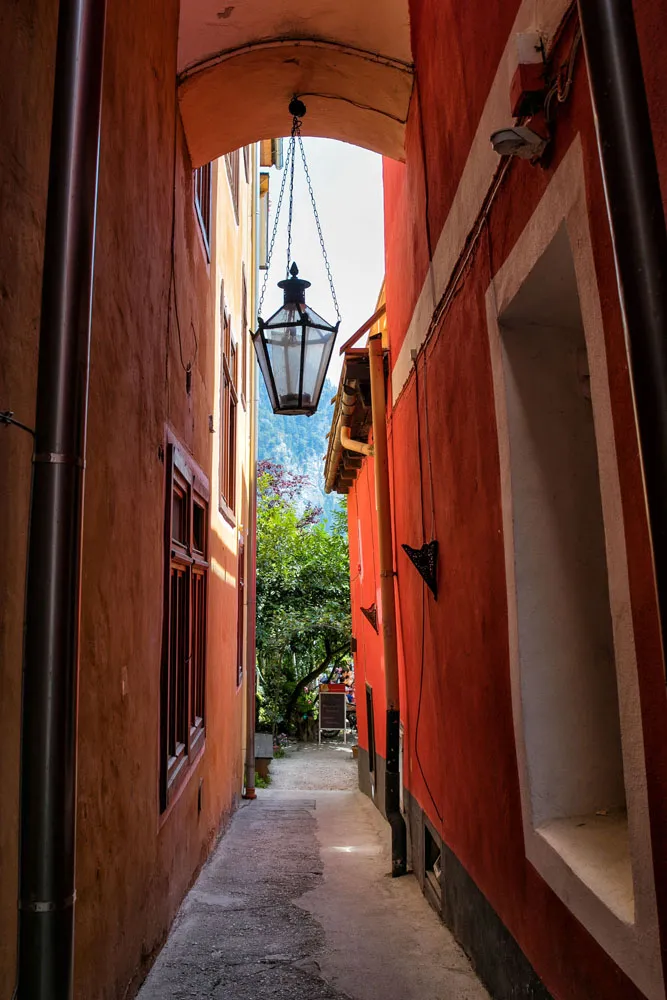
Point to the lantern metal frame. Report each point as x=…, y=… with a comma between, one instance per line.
x=294, y=315
x=303, y=330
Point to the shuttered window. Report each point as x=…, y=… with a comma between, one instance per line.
x=183, y=688
x=228, y=415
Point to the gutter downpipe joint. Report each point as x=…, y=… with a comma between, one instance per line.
x=53, y=585
x=351, y=445
x=388, y=600
x=637, y=222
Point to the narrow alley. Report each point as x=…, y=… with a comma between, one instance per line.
x=333, y=399
x=296, y=902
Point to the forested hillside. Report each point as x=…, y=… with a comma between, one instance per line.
x=299, y=443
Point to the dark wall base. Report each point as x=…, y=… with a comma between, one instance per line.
x=372, y=785
x=495, y=955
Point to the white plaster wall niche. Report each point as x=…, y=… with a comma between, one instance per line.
x=575, y=696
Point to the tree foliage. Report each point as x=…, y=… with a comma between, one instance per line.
x=303, y=594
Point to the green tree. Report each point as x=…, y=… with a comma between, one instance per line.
x=303, y=595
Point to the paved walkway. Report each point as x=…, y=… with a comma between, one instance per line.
x=296, y=904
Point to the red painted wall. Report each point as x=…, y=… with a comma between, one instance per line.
x=460, y=762
x=364, y=592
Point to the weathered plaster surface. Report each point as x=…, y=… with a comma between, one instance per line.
x=351, y=63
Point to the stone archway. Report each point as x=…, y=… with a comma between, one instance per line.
x=239, y=65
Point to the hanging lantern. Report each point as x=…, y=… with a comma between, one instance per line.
x=294, y=346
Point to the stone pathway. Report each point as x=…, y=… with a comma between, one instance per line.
x=296, y=904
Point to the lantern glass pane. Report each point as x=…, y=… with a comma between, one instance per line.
x=284, y=335
x=315, y=319
x=317, y=356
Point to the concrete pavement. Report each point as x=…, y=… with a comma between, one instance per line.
x=296, y=902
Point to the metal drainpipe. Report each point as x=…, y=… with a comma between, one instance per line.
x=249, y=791
x=389, y=642
x=51, y=644
x=251, y=575
x=636, y=216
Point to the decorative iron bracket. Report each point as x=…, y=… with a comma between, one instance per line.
x=425, y=561
x=372, y=615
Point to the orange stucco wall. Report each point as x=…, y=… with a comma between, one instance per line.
x=133, y=866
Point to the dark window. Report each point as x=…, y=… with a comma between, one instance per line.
x=244, y=340
x=228, y=406
x=184, y=634
x=370, y=722
x=240, y=627
x=233, y=167
x=201, y=183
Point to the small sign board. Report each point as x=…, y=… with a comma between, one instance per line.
x=333, y=709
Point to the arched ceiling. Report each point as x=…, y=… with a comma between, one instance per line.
x=239, y=65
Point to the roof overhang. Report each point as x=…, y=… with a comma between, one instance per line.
x=352, y=409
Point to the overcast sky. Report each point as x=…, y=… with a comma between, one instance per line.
x=347, y=182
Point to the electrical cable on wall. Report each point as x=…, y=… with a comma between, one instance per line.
x=423, y=636
x=7, y=417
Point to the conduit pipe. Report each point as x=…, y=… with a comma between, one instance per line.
x=251, y=575
x=637, y=221
x=388, y=601
x=249, y=784
x=351, y=445
x=51, y=644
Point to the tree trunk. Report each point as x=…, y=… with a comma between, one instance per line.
x=332, y=654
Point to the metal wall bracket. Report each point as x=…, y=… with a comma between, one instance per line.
x=372, y=615
x=425, y=561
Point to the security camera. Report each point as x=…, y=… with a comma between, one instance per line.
x=519, y=140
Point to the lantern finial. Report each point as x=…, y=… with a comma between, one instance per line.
x=294, y=288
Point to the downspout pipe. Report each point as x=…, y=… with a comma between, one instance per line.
x=389, y=641
x=251, y=575
x=637, y=221
x=251, y=680
x=251, y=587
x=51, y=643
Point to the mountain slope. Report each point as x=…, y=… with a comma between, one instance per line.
x=299, y=443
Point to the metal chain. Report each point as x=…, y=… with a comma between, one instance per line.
x=289, y=167
x=291, y=196
x=275, y=230
x=319, y=227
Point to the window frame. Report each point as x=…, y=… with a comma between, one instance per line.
x=243, y=389
x=183, y=690
x=202, y=198
x=228, y=422
x=233, y=165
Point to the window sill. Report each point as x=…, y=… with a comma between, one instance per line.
x=181, y=781
x=597, y=849
x=227, y=513
x=587, y=867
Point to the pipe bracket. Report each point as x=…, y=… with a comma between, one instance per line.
x=54, y=458
x=48, y=906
